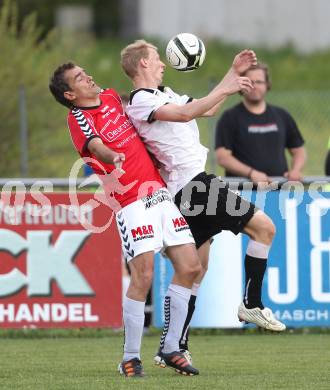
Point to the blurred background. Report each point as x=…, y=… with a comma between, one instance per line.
x=292, y=37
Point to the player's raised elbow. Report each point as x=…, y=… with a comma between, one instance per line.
x=183, y=114
x=209, y=114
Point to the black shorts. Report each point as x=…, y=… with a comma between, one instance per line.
x=209, y=207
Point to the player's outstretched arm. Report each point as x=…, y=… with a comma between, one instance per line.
x=103, y=153
x=242, y=62
x=196, y=108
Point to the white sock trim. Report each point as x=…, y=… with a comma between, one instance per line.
x=183, y=292
x=133, y=307
x=257, y=249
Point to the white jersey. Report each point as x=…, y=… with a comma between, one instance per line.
x=175, y=145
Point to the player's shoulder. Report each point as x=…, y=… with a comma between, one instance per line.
x=74, y=118
x=73, y=113
x=110, y=94
x=169, y=92
x=77, y=113
x=142, y=94
x=79, y=119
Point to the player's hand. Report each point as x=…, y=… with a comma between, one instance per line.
x=293, y=175
x=233, y=83
x=243, y=61
x=118, y=161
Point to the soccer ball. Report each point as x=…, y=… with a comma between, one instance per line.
x=185, y=52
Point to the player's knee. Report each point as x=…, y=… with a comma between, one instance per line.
x=146, y=279
x=271, y=230
x=204, y=269
x=266, y=230
x=191, y=270
x=197, y=269
x=261, y=228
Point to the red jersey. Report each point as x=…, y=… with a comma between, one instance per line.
x=109, y=122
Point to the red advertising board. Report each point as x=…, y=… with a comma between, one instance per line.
x=53, y=271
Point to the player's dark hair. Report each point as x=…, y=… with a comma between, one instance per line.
x=58, y=84
x=264, y=67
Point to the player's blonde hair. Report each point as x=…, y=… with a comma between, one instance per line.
x=132, y=54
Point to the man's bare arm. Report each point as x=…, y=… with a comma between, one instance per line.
x=297, y=164
x=242, y=62
x=103, y=153
x=196, y=108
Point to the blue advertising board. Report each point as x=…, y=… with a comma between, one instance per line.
x=297, y=281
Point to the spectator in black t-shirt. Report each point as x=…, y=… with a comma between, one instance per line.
x=251, y=137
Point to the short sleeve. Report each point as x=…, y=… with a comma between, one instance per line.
x=81, y=129
x=143, y=104
x=178, y=99
x=225, y=132
x=294, y=138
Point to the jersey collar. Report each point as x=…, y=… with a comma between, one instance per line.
x=151, y=90
x=90, y=107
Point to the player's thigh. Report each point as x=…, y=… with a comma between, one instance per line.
x=142, y=267
x=221, y=209
x=139, y=229
x=175, y=228
x=178, y=240
x=184, y=258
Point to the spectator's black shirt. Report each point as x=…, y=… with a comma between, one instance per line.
x=258, y=140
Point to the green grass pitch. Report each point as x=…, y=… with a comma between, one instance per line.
x=250, y=361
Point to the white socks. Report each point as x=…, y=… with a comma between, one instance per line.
x=175, y=308
x=133, y=314
x=183, y=344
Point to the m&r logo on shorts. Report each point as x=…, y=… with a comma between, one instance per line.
x=142, y=232
x=180, y=224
